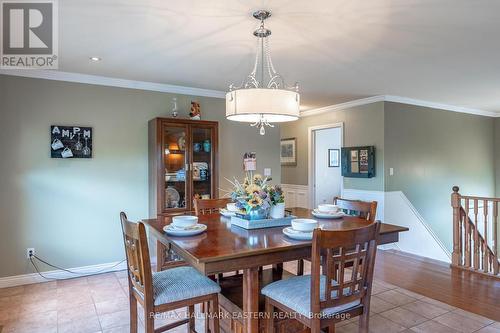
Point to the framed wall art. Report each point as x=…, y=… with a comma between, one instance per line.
x=288, y=151
x=70, y=142
x=333, y=158
x=358, y=162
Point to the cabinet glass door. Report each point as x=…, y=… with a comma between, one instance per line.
x=175, y=160
x=202, y=149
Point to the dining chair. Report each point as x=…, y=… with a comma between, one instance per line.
x=163, y=291
x=210, y=206
x=363, y=209
x=337, y=292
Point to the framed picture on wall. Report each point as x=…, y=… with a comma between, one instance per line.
x=288, y=151
x=333, y=158
x=70, y=141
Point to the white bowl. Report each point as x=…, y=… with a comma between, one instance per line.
x=306, y=225
x=184, y=221
x=328, y=208
x=232, y=207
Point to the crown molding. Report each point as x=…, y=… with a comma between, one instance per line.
x=440, y=106
x=174, y=89
x=342, y=106
x=398, y=99
x=112, y=82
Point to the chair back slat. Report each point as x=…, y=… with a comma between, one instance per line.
x=210, y=206
x=137, y=254
x=364, y=209
x=348, y=266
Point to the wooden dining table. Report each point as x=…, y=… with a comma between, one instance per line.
x=227, y=248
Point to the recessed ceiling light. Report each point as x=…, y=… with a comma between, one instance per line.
x=95, y=59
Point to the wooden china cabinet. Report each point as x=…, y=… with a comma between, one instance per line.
x=183, y=163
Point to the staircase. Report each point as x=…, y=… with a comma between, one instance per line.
x=475, y=233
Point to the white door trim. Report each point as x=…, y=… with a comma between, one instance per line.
x=311, y=158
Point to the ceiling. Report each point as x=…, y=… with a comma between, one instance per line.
x=444, y=51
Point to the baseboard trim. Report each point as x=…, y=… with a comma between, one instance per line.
x=19, y=280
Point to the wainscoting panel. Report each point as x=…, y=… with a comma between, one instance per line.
x=420, y=240
x=296, y=195
x=395, y=208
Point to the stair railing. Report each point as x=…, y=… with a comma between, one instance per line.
x=475, y=233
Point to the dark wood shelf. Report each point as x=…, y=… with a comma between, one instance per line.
x=176, y=152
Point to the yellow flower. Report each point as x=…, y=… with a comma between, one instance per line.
x=257, y=177
x=252, y=188
x=255, y=201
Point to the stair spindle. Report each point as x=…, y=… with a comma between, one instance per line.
x=486, y=256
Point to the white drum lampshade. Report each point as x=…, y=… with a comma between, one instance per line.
x=251, y=105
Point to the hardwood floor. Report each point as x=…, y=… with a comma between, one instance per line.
x=465, y=290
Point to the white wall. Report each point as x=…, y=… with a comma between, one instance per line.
x=328, y=179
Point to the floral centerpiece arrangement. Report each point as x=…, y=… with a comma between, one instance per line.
x=255, y=197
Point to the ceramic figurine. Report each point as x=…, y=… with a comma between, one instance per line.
x=206, y=146
x=182, y=141
x=197, y=147
x=195, y=113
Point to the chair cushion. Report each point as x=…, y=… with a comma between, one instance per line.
x=181, y=283
x=295, y=293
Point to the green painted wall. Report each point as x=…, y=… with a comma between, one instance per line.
x=432, y=150
x=68, y=209
x=363, y=126
x=497, y=160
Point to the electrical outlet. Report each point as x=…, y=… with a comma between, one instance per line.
x=30, y=251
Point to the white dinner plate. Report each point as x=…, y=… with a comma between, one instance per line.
x=320, y=215
x=227, y=213
x=298, y=235
x=173, y=230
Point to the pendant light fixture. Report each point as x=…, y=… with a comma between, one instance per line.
x=263, y=97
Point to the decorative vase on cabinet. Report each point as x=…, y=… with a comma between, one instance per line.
x=172, y=155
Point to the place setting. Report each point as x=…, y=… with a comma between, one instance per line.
x=230, y=210
x=328, y=211
x=301, y=229
x=184, y=226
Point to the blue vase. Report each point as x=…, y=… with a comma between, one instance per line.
x=257, y=214
x=197, y=147
x=206, y=146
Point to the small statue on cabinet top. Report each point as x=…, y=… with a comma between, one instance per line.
x=175, y=112
x=195, y=113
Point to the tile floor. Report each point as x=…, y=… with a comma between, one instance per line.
x=100, y=304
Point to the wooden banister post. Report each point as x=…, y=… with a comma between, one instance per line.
x=456, y=257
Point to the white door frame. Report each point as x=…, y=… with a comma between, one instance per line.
x=312, y=159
